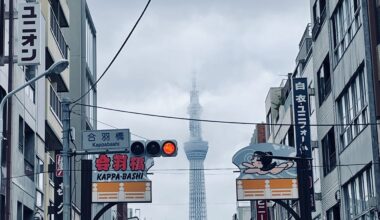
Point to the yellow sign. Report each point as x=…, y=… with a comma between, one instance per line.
x=122, y=191
x=261, y=189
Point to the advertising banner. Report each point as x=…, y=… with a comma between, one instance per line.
x=302, y=131
x=262, y=177
x=29, y=29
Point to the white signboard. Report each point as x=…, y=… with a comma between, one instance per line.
x=29, y=32
x=106, y=139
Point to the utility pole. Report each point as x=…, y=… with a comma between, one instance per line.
x=65, y=155
x=9, y=116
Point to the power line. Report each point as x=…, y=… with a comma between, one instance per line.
x=157, y=171
x=218, y=121
x=116, y=55
x=111, y=126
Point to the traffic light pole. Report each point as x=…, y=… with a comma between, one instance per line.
x=65, y=155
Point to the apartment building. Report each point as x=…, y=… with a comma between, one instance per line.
x=280, y=119
x=33, y=120
x=345, y=69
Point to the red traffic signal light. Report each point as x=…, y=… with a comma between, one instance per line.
x=169, y=148
x=154, y=148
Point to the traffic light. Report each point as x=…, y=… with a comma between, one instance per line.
x=154, y=148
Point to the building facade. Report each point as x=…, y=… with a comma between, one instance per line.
x=33, y=118
x=196, y=150
x=345, y=69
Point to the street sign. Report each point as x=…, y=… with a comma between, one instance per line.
x=302, y=133
x=263, y=177
x=121, y=177
x=29, y=29
x=58, y=165
x=140, y=191
x=261, y=210
x=106, y=139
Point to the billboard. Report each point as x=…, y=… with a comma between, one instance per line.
x=262, y=176
x=302, y=132
x=29, y=29
x=121, y=177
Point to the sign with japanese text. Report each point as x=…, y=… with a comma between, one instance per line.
x=261, y=210
x=29, y=30
x=114, y=174
x=263, y=177
x=58, y=194
x=302, y=130
x=58, y=165
x=106, y=139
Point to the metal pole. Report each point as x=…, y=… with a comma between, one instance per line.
x=65, y=155
x=253, y=214
x=9, y=122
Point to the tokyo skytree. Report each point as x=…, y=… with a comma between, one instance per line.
x=196, y=150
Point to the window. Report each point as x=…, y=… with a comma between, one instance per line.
x=329, y=152
x=357, y=193
x=269, y=124
x=352, y=109
x=21, y=135
x=90, y=101
x=90, y=46
x=319, y=16
x=29, y=156
x=345, y=23
x=55, y=104
x=40, y=174
x=30, y=89
x=324, y=80
x=333, y=213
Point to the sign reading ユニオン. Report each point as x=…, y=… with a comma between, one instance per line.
x=263, y=177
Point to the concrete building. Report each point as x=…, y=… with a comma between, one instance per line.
x=83, y=60
x=279, y=110
x=35, y=128
x=345, y=69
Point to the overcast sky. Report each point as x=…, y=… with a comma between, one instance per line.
x=237, y=48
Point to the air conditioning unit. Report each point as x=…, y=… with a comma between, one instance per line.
x=318, y=196
x=372, y=202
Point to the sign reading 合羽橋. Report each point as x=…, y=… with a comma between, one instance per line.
x=29, y=30
x=117, y=177
x=106, y=139
x=263, y=177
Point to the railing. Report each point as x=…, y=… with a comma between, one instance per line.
x=55, y=104
x=56, y=29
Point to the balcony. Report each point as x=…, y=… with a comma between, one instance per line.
x=56, y=30
x=318, y=24
x=55, y=104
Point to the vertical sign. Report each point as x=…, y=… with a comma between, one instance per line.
x=302, y=133
x=58, y=194
x=261, y=210
x=29, y=32
x=58, y=165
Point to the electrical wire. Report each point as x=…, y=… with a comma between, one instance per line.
x=157, y=171
x=116, y=55
x=111, y=126
x=217, y=121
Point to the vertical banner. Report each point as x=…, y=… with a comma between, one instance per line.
x=29, y=33
x=302, y=132
x=261, y=210
x=58, y=190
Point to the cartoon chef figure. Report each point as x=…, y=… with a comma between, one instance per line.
x=262, y=164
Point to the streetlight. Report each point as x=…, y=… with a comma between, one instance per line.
x=56, y=68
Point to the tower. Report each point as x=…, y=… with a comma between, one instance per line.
x=196, y=150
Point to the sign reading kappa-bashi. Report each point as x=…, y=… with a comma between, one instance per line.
x=264, y=177
x=117, y=177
